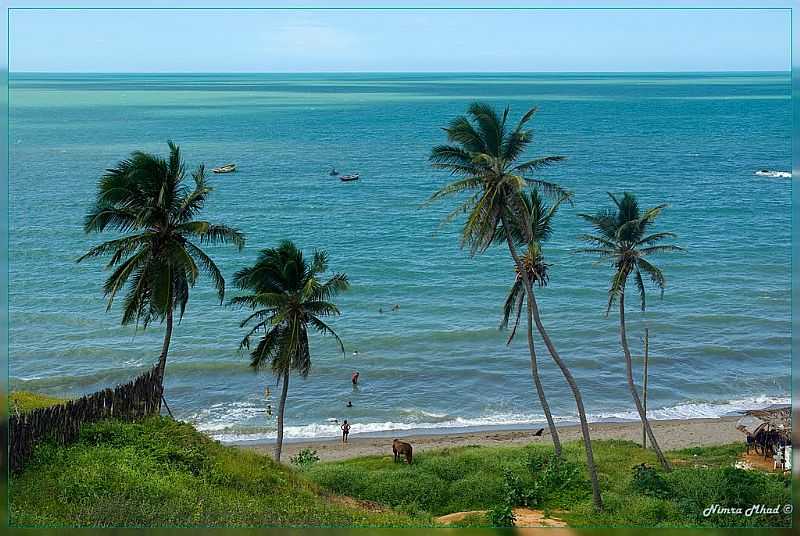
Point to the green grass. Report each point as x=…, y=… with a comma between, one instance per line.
x=24, y=401
x=163, y=473
x=472, y=478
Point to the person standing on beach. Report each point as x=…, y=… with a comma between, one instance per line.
x=345, y=431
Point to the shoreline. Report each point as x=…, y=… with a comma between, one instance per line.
x=672, y=435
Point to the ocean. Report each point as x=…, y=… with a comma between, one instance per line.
x=719, y=338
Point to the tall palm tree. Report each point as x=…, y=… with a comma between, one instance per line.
x=288, y=298
x=146, y=198
x=622, y=238
x=539, y=222
x=485, y=152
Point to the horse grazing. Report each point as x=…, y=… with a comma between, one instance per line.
x=401, y=448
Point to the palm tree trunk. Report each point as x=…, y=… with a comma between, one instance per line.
x=537, y=381
x=632, y=386
x=533, y=309
x=162, y=359
x=281, y=408
x=576, y=393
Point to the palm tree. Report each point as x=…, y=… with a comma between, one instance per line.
x=539, y=230
x=147, y=200
x=623, y=240
x=288, y=299
x=484, y=152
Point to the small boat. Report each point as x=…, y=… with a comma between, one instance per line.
x=348, y=178
x=227, y=168
x=333, y=172
x=774, y=174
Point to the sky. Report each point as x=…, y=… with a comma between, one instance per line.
x=460, y=40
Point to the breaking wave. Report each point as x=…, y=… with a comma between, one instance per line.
x=226, y=422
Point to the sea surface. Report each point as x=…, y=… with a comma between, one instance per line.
x=719, y=338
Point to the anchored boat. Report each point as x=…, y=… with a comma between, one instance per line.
x=348, y=178
x=227, y=168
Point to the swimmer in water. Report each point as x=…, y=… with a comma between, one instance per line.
x=349, y=404
x=354, y=378
x=396, y=307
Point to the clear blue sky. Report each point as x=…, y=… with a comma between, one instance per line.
x=413, y=40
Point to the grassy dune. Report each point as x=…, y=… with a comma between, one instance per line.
x=164, y=473
x=480, y=478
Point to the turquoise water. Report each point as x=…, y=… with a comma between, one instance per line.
x=720, y=338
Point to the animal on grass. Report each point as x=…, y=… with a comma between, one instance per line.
x=400, y=449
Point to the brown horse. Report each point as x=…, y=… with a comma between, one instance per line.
x=401, y=448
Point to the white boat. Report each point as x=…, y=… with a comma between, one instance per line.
x=227, y=168
x=348, y=178
x=774, y=174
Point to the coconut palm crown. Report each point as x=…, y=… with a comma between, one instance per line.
x=485, y=151
x=288, y=297
x=624, y=239
x=147, y=200
x=539, y=222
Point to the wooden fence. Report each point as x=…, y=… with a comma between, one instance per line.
x=61, y=423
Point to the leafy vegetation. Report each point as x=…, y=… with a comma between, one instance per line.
x=305, y=458
x=500, y=478
x=501, y=515
x=160, y=472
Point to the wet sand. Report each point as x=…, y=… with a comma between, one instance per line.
x=672, y=434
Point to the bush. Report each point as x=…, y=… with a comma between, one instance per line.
x=518, y=493
x=648, y=481
x=552, y=474
x=501, y=516
x=305, y=458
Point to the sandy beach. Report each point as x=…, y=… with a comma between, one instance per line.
x=672, y=434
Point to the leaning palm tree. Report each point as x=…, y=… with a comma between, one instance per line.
x=148, y=200
x=485, y=153
x=539, y=228
x=288, y=299
x=623, y=240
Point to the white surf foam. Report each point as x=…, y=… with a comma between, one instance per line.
x=223, y=422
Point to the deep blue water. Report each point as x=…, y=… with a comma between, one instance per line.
x=720, y=338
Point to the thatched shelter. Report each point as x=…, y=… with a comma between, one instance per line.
x=777, y=417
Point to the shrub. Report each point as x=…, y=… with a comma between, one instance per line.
x=501, y=516
x=648, y=481
x=305, y=458
x=517, y=492
x=552, y=474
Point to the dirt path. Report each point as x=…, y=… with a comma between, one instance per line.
x=525, y=517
